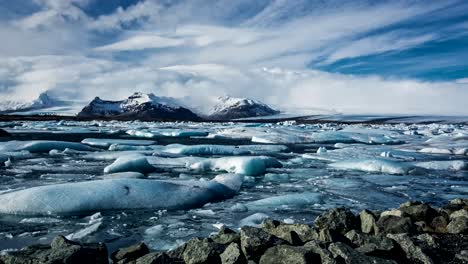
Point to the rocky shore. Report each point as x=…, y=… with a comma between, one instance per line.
x=413, y=233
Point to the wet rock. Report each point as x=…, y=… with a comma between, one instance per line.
x=125, y=255
x=255, y=241
x=423, y=227
x=295, y=234
x=3, y=133
x=202, y=251
x=439, y=224
x=367, y=222
x=394, y=224
x=459, y=201
x=321, y=250
x=428, y=240
x=156, y=258
x=394, y=212
x=226, y=236
x=343, y=252
x=413, y=252
x=419, y=212
x=285, y=254
x=61, y=250
x=339, y=220
x=177, y=254
x=458, y=225
x=459, y=213
x=233, y=255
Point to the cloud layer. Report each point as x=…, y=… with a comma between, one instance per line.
x=292, y=54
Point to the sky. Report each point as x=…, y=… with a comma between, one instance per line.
x=356, y=57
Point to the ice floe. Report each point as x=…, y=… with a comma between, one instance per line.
x=103, y=142
x=133, y=163
x=251, y=166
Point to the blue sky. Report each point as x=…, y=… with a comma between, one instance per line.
x=340, y=55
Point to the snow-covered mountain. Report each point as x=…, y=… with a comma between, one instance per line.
x=44, y=101
x=139, y=106
x=231, y=108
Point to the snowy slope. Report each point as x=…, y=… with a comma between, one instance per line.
x=231, y=108
x=44, y=101
x=138, y=105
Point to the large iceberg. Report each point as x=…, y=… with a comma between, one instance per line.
x=251, y=166
x=288, y=200
x=106, y=142
x=119, y=194
x=43, y=146
x=206, y=150
x=376, y=165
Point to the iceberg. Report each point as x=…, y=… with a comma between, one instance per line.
x=42, y=146
x=206, y=150
x=288, y=200
x=250, y=166
x=451, y=165
x=376, y=165
x=118, y=194
x=105, y=143
x=133, y=163
x=124, y=175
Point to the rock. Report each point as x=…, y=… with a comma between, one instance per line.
x=233, y=255
x=367, y=222
x=394, y=224
x=419, y=212
x=155, y=258
x=339, y=220
x=177, y=254
x=125, y=255
x=458, y=225
x=285, y=254
x=3, y=133
x=202, y=251
x=320, y=249
x=61, y=250
x=255, y=241
x=370, y=243
x=428, y=240
x=439, y=224
x=459, y=213
x=394, y=212
x=459, y=201
x=295, y=234
x=462, y=256
x=413, y=252
x=344, y=252
x=423, y=227
x=226, y=236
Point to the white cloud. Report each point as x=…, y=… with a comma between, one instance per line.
x=140, y=42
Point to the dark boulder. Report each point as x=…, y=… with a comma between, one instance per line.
x=394, y=224
x=125, y=255
x=340, y=220
x=3, y=133
x=156, y=258
x=458, y=225
x=205, y=250
x=419, y=212
x=233, y=255
x=295, y=234
x=255, y=241
x=226, y=236
x=284, y=254
x=413, y=252
x=345, y=253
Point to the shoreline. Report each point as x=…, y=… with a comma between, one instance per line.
x=415, y=232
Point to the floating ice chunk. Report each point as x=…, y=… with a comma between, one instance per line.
x=154, y=230
x=322, y=150
x=124, y=175
x=436, y=151
x=42, y=146
x=206, y=150
x=118, y=194
x=461, y=151
x=85, y=231
x=254, y=220
x=288, y=200
x=272, y=177
x=239, y=208
x=452, y=165
x=104, y=142
x=138, y=133
x=183, y=133
x=119, y=147
x=130, y=163
x=4, y=159
x=376, y=165
x=8, y=163
x=40, y=220
x=251, y=166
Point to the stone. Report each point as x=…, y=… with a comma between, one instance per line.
x=423, y=227
x=394, y=212
x=428, y=240
x=459, y=213
x=3, y=133
x=295, y=234
x=344, y=252
x=439, y=224
x=255, y=241
x=177, y=254
x=458, y=225
x=226, y=236
x=419, y=212
x=413, y=252
x=394, y=224
x=202, y=251
x=462, y=256
x=316, y=247
x=368, y=222
x=339, y=220
x=60, y=251
x=370, y=243
x=130, y=253
x=233, y=255
x=459, y=201
x=156, y=258
x=285, y=254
